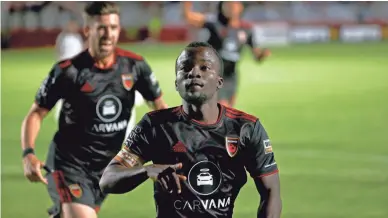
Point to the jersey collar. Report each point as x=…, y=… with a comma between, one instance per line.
x=205, y=125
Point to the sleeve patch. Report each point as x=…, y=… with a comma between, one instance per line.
x=267, y=146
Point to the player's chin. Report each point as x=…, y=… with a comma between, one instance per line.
x=194, y=97
x=106, y=49
x=105, y=52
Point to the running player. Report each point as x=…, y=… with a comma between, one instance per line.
x=228, y=35
x=98, y=88
x=68, y=44
x=199, y=151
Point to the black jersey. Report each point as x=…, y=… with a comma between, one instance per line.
x=214, y=157
x=228, y=41
x=97, y=106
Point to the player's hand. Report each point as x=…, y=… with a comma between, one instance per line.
x=167, y=177
x=32, y=169
x=262, y=54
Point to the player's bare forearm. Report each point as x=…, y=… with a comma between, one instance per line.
x=31, y=126
x=269, y=189
x=158, y=104
x=119, y=179
x=193, y=18
x=187, y=7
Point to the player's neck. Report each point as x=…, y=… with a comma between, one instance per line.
x=104, y=62
x=206, y=113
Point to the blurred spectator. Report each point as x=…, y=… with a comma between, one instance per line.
x=69, y=42
x=144, y=20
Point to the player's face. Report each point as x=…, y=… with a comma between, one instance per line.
x=197, y=75
x=103, y=33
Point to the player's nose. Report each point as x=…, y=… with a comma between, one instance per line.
x=108, y=32
x=195, y=72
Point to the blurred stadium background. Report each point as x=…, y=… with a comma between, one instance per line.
x=322, y=96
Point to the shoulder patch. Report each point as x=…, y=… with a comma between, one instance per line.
x=129, y=54
x=237, y=114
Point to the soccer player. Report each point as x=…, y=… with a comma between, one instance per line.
x=98, y=88
x=228, y=35
x=68, y=44
x=199, y=150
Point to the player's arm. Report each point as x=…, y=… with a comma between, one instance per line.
x=258, y=53
x=269, y=189
x=126, y=171
x=193, y=18
x=149, y=87
x=261, y=164
x=47, y=96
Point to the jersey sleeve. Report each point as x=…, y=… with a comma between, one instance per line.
x=140, y=140
x=260, y=159
x=51, y=89
x=147, y=84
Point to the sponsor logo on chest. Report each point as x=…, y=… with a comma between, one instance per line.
x=204, y=178
x=108, y=110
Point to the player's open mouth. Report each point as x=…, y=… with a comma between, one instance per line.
x=106, y=44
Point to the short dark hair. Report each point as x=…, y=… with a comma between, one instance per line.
x=207, y=45
x=100, y=8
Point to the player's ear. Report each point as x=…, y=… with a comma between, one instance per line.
x=86, y=31
x=176, y=86
x=220, y=82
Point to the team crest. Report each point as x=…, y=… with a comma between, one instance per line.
x=75, y=190
x=231, y=146
x=267, y=146
x=127, y=81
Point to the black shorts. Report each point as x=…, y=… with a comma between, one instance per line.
x=70, y=185
x=65, y=187
x=229, y=89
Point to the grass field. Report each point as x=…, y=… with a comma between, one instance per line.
x=324, y=106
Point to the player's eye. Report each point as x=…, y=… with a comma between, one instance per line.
x=185, y=68
x=101, y=27
x=205, y=68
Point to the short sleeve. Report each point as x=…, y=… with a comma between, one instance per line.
x=140, y=140
x=147, y=84
x=51, y=89
x=260, y=159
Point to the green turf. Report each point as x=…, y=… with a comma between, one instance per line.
x=324, y=106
